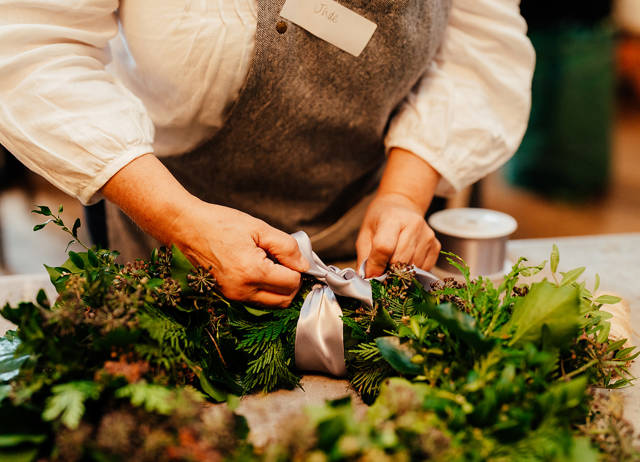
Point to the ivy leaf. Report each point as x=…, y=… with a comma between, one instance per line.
x=398, y=355
x=9, y=362
x=555, y=258
x=67, y=402
x=607, y=299
x=549, y=308
x=154, y=398
x=571, y=276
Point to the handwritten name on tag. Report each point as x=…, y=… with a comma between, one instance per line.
x=331, y=22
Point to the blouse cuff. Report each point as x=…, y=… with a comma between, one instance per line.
x=91, y=194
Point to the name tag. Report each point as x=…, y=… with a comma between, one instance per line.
x=331, y=22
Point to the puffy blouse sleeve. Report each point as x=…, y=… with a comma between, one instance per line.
x=61, y=113
x=468, y=113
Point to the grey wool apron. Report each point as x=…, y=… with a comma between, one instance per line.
x=302, y=148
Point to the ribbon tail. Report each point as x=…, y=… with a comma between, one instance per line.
x=319, y=337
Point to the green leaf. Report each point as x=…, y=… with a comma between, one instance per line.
x=255, y=312
x=9, y=363
x=39, y=227
x=607, y=299
x=180, y=267
x=93, y=258
x=215, y=393
x=382, y=322
x=60, y=209
x=27, y=454
x=154, y=398
x=555, y=258
x=43, y=210
x=67, y=402
x=8, y=440
x=74, y=230
x=76, y=260
x=458, y=323
x=42, y=300
x=549, y=308
x=583, y=451
x=571, y=276
x=4, y=391
x=597, y=283
x=398, y=355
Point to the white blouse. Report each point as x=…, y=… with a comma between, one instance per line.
x=86, y=86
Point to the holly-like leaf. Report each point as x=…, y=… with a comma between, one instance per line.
x=67, y=402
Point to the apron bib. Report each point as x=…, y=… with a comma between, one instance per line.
x=302, y=148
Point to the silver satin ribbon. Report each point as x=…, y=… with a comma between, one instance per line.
x=319, y=340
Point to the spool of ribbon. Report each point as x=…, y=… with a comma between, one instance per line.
x=319, y=339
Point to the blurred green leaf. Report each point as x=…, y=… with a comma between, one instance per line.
x=571, y=276
x=546, y=307
x=398, y=355
x=555, y=258
x=67, y=402
x=607, y=299
x=9, y=362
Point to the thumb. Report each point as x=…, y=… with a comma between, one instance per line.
x=283, y=248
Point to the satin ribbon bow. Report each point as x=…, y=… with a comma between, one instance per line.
x=319, y=340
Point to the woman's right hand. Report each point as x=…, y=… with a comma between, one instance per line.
x=250, y=260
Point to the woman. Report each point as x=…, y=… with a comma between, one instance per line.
x=261, y=127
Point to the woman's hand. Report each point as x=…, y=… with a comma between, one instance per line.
x=251, y=260
x=394, y=228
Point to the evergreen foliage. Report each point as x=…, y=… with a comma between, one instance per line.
x=118, y=367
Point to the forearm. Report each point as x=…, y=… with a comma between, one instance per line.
x=148, y=193
x=409, y=176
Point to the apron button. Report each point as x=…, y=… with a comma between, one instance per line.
x=281, y=27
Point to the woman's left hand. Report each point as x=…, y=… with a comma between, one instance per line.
x=394, y=230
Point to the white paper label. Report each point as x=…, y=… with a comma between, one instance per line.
x=332, y=22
